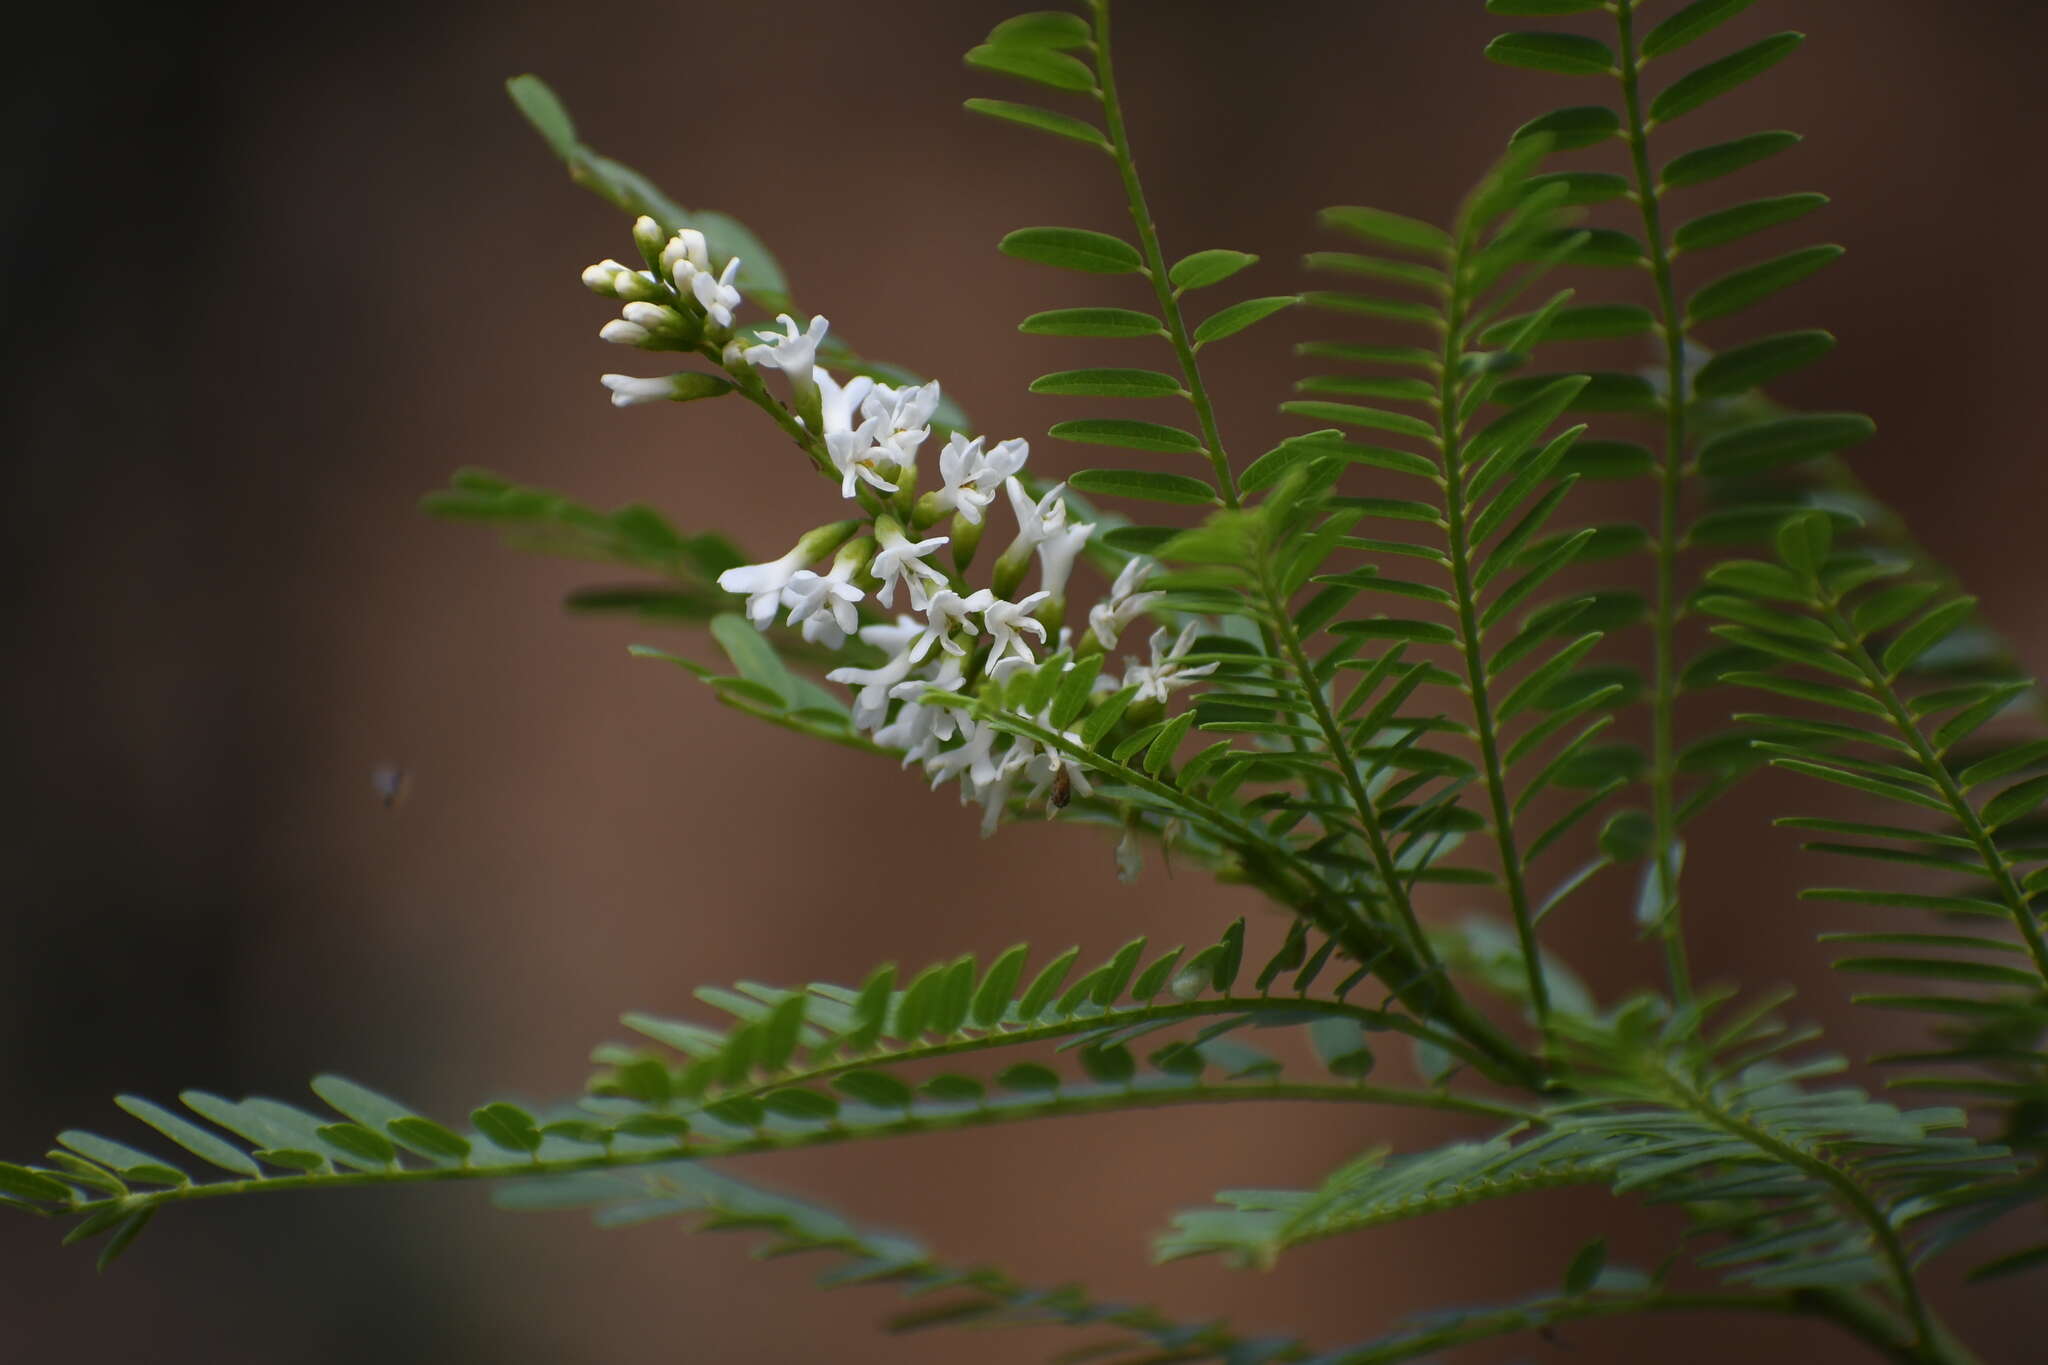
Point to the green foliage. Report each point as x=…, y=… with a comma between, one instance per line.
x=1411, y=660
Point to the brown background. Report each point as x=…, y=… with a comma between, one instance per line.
x=272, y=274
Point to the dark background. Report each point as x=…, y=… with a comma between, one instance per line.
x=271, y=273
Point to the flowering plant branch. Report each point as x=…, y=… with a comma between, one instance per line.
x=1263, y=690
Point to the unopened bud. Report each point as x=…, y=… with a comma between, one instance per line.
x=966, y=536
x=814, y=545
x=686, y=247
x=649, y=237
x=638, y=286
x=1010, y=569
x=653, y=316
x=602, y=278
x=620, y=332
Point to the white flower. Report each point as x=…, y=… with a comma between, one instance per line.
x=1056, y=555
x=1042, y=526
x=993, y=791
x=796, y=353
x=1036, y=521
x=892, y=637
x=946, y=612
x=1124, y=604
x=973, y=755
x=921, y=725
x=839, y=402
x=620, y=332
x=823, y=603
x=906, y=409
x=1007, y=622
x=1049, y=761
x=871, y=702
x=851, y=453
x=763, y=583
x=717, y=295
x=971, y=476
x=627, y=390
x=1159, y=679
x=902, y=558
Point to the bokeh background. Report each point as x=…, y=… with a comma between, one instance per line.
x=273, y=271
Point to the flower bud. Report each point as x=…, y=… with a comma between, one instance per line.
x=603, y=278
x=1009, y=569
x=637, y=286
x=649, y=237
x=815, y=544
x=966, y=537
x=623, y=333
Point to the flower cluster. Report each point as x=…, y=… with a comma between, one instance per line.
x=869, y=436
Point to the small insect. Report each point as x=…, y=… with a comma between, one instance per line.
x=1062, y=788
x=391, y=783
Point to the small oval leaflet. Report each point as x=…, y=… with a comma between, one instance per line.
x=1569, y=54
x=1081, y=249
x=1040, y=65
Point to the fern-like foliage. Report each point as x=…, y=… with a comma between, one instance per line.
x=793, y=1068
x=1789, y=1187
x=1387, y=687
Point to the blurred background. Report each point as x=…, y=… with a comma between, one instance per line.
x=271, y=273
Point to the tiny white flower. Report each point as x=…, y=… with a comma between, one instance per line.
x=852, y=454
x=837, y=401
x=1108, y=618
x=905, y=409
x=717, y=295
x=921, y=725
x=993, y=791
x=1036, y=520
x=973, y=754
x=762, y=584
x=823, y=603
x=871, y=702
x=628, y=390
x=1048, y=761
x=794, y=354
x=1165, y=674
x=620, y=332
x=902, y=559
x=892, y=637
x=1007, y=623
x=945, y=613
x=654, y=317
x=1056, y=555
x=972, y=476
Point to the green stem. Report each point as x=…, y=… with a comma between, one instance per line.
x=1937, y=772
x=1664, y=695
x=1156, y=268
x=1470, y=639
